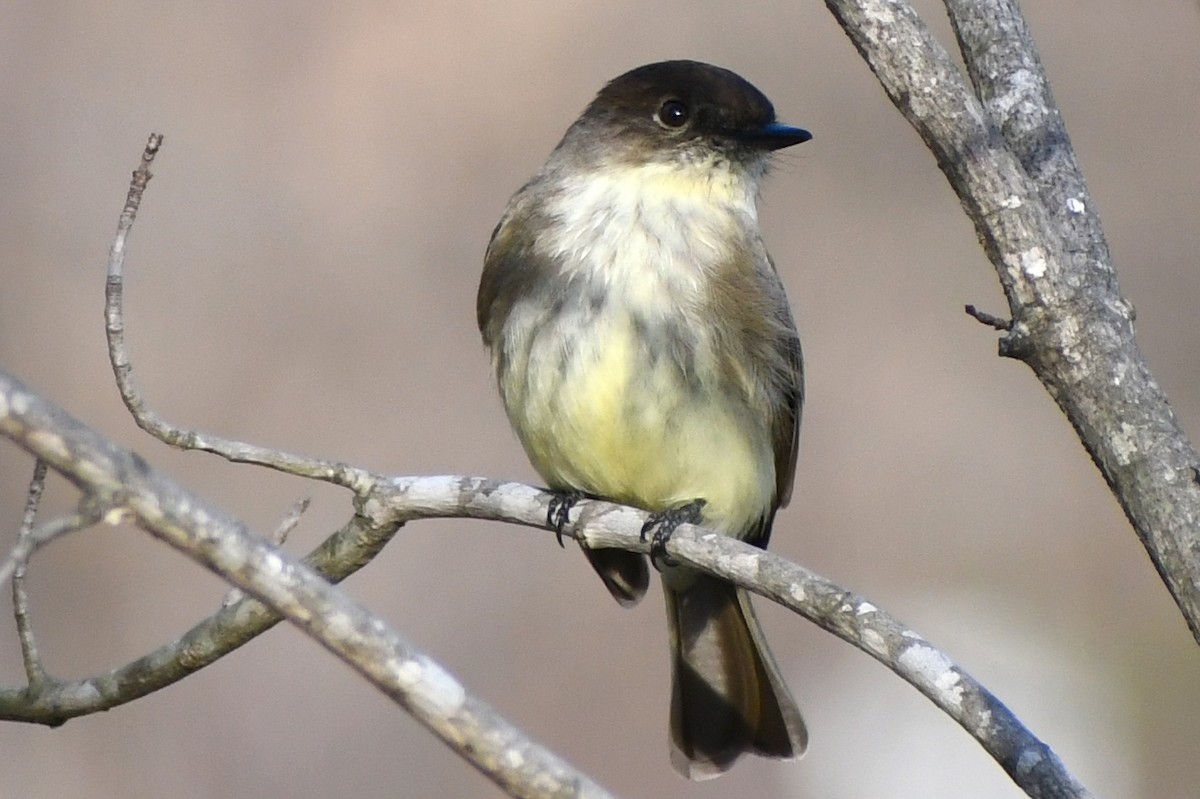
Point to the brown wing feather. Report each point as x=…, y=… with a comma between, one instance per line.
x=764, y=334
x=785, y=420
x=785, y=428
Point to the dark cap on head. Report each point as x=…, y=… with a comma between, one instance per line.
x=684, y=101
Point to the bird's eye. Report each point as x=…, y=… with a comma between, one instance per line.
x=673, y=114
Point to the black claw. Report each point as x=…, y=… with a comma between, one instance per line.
x=558, y=512
x=661, y=526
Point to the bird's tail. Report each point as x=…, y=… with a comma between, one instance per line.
x=727, y=696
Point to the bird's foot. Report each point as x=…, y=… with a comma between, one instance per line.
x=660, y=526
x=558, y=512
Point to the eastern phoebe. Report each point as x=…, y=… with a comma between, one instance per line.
x=645, y=354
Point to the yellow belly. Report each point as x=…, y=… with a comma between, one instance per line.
x=617, y=422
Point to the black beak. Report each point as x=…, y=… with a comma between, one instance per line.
x=776, y=136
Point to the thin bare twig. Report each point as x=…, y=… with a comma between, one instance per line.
x=278, y=538
x=37, y=538
x=33, y=497
x=988, y=319
x=289, y=522
x=118, y=353
x=28, y=542
x=35, y=673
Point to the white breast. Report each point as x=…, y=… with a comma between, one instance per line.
x=650, y=231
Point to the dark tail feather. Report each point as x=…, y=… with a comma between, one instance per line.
x=727, y=696
x=625, y=574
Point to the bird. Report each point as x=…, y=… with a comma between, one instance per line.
x=646, y=354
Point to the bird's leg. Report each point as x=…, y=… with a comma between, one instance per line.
x=558, y=512
x=660, y=526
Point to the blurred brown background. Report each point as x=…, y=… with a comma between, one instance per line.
x=303, y=276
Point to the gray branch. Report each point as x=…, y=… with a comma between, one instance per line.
x=118, y=354
x=115, y=478
x=1003, y=147
x=1031, y=764
x=119, y=479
